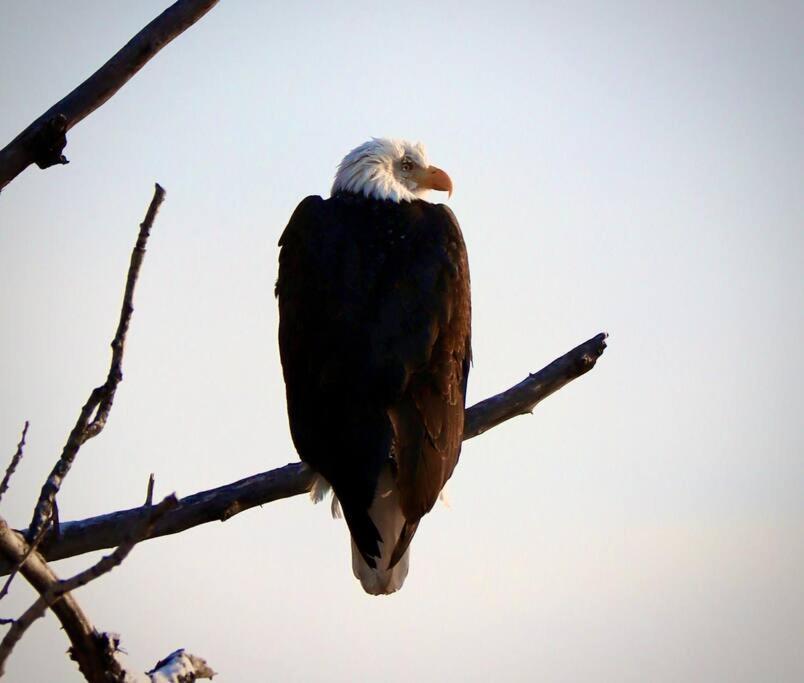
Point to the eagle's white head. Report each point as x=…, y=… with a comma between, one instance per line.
x=389, y=169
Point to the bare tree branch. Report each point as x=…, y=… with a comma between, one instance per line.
x=522, y=398
x=88, y=647
x=101, y=397
x=42, y=142
x=15, y=460
x=96, y=653
x=57, y=589
x=219, y=504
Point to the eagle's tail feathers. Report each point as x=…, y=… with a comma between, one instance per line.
x=389, y=572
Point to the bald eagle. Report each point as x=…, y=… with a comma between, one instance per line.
x=374, y=337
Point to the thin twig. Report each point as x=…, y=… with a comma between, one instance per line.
x=149, y=493
x=222, y=503
x=119, y=341
x=101, y=397
x=15, y=460
x=19, y=626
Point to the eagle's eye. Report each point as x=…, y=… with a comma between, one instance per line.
x=407, y=164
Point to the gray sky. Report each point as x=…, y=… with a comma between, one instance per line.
x=633, y=167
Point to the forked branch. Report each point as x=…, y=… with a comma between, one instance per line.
x=96, y=653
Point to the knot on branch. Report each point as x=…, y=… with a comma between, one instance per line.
x=104, y=660
x=231, y=510
x=595, y=348
x=49, y=141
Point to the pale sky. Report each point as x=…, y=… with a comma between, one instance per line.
x=629, y=167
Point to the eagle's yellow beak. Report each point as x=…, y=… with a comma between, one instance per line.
x=432, y=178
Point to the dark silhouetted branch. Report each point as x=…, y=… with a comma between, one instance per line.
x=522, y=398
x=219, y=504
x=43, y=141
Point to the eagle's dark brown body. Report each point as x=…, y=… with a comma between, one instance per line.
x=374, y=336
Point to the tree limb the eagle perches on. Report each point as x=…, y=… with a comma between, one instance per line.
x=219, y=504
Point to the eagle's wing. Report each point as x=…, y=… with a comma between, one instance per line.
x=375, y=344
x=428, y=415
